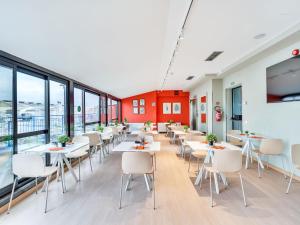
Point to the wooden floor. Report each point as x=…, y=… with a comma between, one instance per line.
x=95, y=199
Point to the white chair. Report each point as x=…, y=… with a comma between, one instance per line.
x=199, y=154
x=137, y=163
x=295, y=155
x=269, y=147
x=150, y=139
x=30, y=166
x=95, y=142
x=78, y=154
x=226, y=161
x=233, y=137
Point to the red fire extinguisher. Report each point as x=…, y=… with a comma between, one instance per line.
x=219, y=113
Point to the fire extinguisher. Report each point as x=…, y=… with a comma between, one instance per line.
x=219, y=113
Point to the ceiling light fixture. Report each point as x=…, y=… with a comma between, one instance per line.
x=180, y=37
x=259, y=36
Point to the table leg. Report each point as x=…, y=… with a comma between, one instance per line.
x=201, y=171
x=64, y=158
x=62, y=173
x=216, y=183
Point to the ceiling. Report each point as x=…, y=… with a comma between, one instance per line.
x=124, y=47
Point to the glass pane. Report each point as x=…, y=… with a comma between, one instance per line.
x=114, y=110
x=91, y=127
x=6, y=126
x=31, y=103
x=91, y=107
x=103, y=110
x=109, y=110
x=78, y=123
x=30, y=142
x=57, y=110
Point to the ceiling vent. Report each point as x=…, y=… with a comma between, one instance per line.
x=190, y=77
x=211, y=75
x=213, y=55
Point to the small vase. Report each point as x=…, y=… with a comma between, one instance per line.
x=211, y=143
x=63, y=145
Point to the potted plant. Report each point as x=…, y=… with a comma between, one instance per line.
x=100, y=128
x=186, y=127
x=170, y=121
x=116, y=122
x=211, y=138
x=63, y=140
x=125, y=120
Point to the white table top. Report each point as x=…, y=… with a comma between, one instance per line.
x=65, y=150
x=129, y=147
x=179, y=132
x=196, y=146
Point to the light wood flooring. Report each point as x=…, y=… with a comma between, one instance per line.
x=95, y=199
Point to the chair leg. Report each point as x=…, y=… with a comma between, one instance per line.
x=283, y=166
x=47, y=180
x=258, y=166
x=90, y=161
x=12, y=194
x=288, y=188
x=241, y=179
x=210, y=187
x=100, y=157
x=121, y=191
x=79, y=168
x=190, y=161
x=153, y=188
x=36, y=191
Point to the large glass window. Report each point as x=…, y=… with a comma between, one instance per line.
x=91, y=108
x=57, y=109
x=103, y=110
x=6, y=126
x=31, y=103
x=30, y=142
x=78, y=114
x=114, y=110
x=109, y=110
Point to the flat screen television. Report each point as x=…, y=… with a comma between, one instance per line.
x=283, y=81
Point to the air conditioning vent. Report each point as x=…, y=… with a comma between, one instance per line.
x=190, y=77
x=213, y=55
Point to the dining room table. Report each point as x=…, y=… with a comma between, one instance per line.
x=249, y=146
x=60, y=157
x=203, y=146
x=130, y=146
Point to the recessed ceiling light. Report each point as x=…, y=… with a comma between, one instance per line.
x=259, y=36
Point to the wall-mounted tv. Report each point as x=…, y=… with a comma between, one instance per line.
x=283, y=81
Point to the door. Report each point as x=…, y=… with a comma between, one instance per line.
x=237, y=118
x=194, y=114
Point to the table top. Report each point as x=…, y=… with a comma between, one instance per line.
x=179, y=132
x=128, y=146
x=245, y=137
x=196, y=146
x=65, y=150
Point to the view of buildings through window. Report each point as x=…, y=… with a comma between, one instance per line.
x=33, y=127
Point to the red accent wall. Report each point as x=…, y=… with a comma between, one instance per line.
x=154, y=107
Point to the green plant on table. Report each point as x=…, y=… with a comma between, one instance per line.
x=100, y=128
x=148, y=123
x=211, y=138
x=186, y=127
x=170, y=121
x=63, y=139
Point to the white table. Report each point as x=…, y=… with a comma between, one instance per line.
x=248, y=147
x=130, y=147
x=178, y=133
x=198, y=146
x=60, y=157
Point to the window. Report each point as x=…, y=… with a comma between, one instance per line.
x=92, y=111
x=6, y=126
x=103, y=110
x=114, y=110
x=109, y=110
x=30, y=103
x=57, y=110
x=78, y=114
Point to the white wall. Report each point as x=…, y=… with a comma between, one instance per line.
x=277, y=120
x=199, y=91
